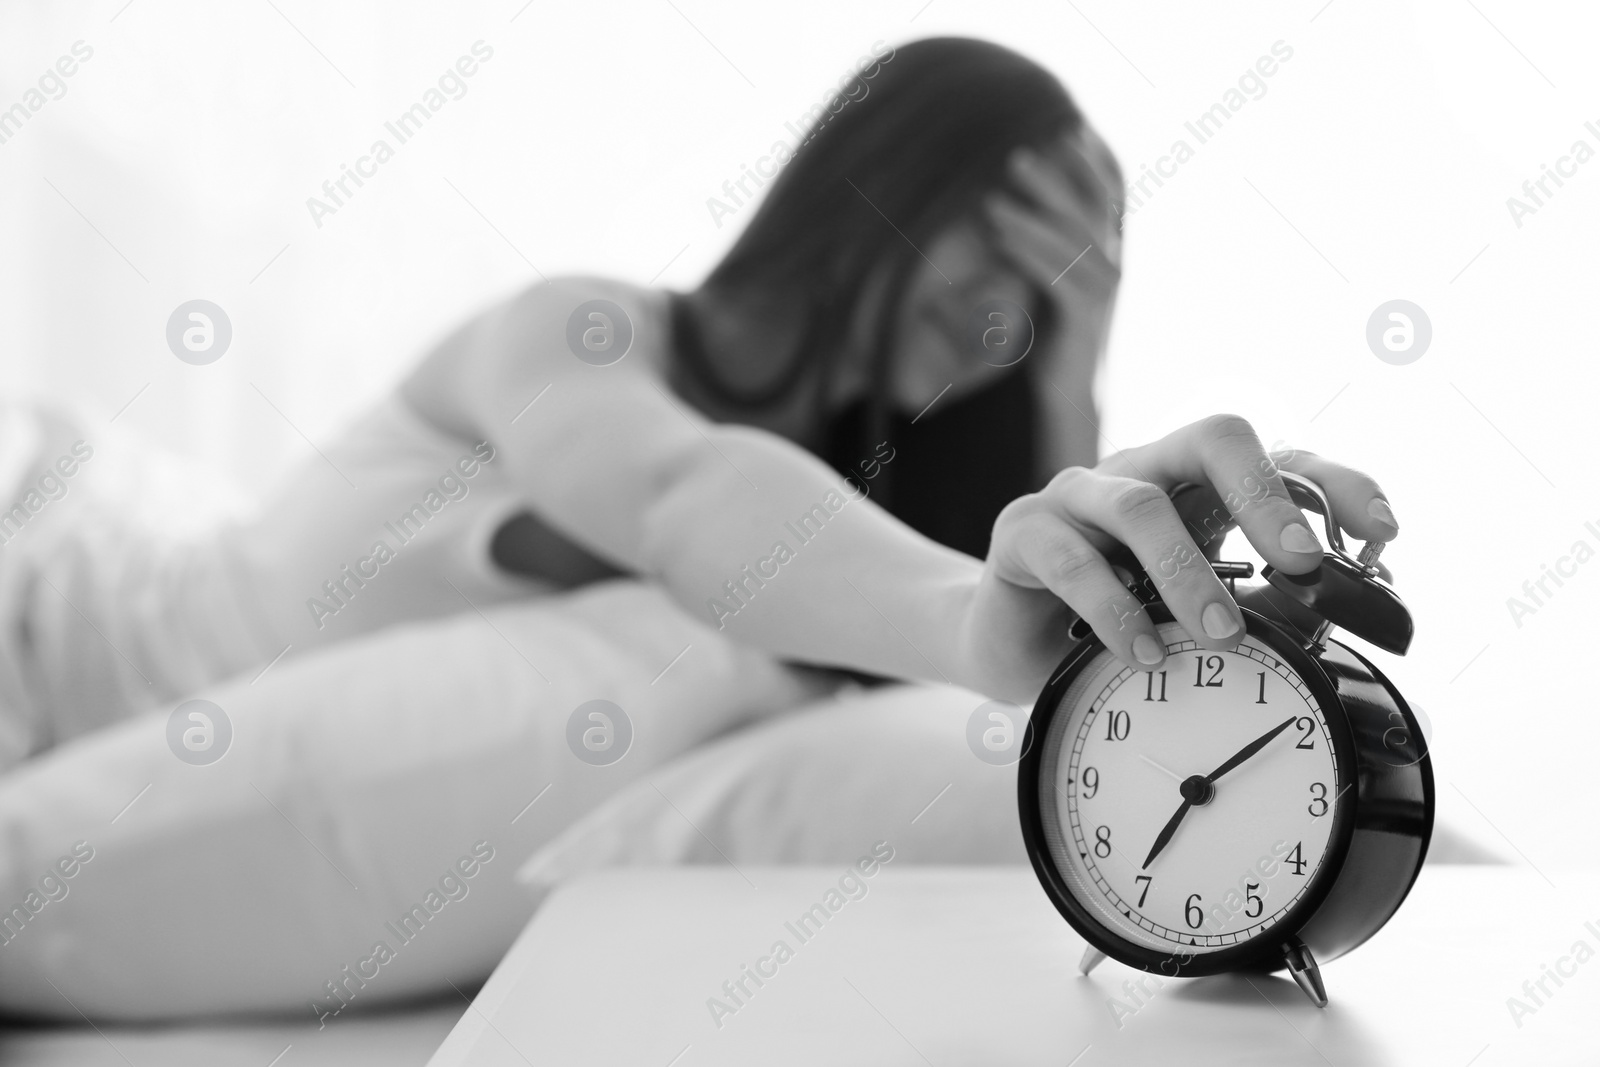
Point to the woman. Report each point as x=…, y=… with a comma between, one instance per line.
x=839, y=324
x=866, y=442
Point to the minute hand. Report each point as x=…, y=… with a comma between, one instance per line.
x=1251, y=749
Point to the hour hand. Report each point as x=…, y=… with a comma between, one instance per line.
x=1166, y=834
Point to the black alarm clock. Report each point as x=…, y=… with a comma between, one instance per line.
x=1259, y=808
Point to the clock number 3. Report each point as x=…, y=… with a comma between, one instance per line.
x=1319, y=799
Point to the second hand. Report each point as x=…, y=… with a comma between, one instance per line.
x=1163, y=770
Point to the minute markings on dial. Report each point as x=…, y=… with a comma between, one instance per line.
x=1093, y=705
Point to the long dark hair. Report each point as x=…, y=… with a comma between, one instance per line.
x=925, y=134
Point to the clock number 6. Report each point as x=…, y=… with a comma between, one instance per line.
x=1192, y=913
x=1319, y=796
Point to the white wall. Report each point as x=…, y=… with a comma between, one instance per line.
x=1390, y=142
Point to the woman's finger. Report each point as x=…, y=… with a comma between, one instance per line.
x=1065, y=185
x=1224, y=452
x=1141, y=516
x=1070, y=234
x=1088, y=147
x=1205, y=515
x=1039, y=549
x=1359, y=506
x=1046, y=252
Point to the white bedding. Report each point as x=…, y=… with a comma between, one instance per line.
x=429, y=759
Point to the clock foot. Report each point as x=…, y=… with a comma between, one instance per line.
x=1091, y=959
x=1303, y=969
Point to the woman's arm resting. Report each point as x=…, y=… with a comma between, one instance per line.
x=616, y=463
x=771, y=544
x=739, y=517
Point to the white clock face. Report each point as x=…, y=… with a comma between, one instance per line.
x=1257, y=813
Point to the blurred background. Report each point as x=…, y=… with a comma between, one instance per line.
x=178, y=158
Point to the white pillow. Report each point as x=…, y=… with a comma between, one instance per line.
x=819, y=786
x=897, y=764
x=431, y=759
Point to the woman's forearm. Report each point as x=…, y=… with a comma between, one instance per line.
x=768, y=543
x=748, y=531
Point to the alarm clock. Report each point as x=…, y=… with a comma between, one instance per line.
x=1259, y=808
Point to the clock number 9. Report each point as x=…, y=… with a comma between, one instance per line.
x=1192, y=913
x=1091, y=781
x=1102, y=836
x=1319, y=797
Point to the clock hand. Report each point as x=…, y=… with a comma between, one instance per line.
x=1166, y=834
x=1199, y=788
x=1163, y=770
x=1250, y=750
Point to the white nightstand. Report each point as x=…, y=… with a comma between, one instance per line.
x=950, y=966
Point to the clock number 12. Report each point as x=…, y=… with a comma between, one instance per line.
x=1212, y=664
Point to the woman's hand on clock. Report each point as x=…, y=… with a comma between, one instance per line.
x=1052, y=552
